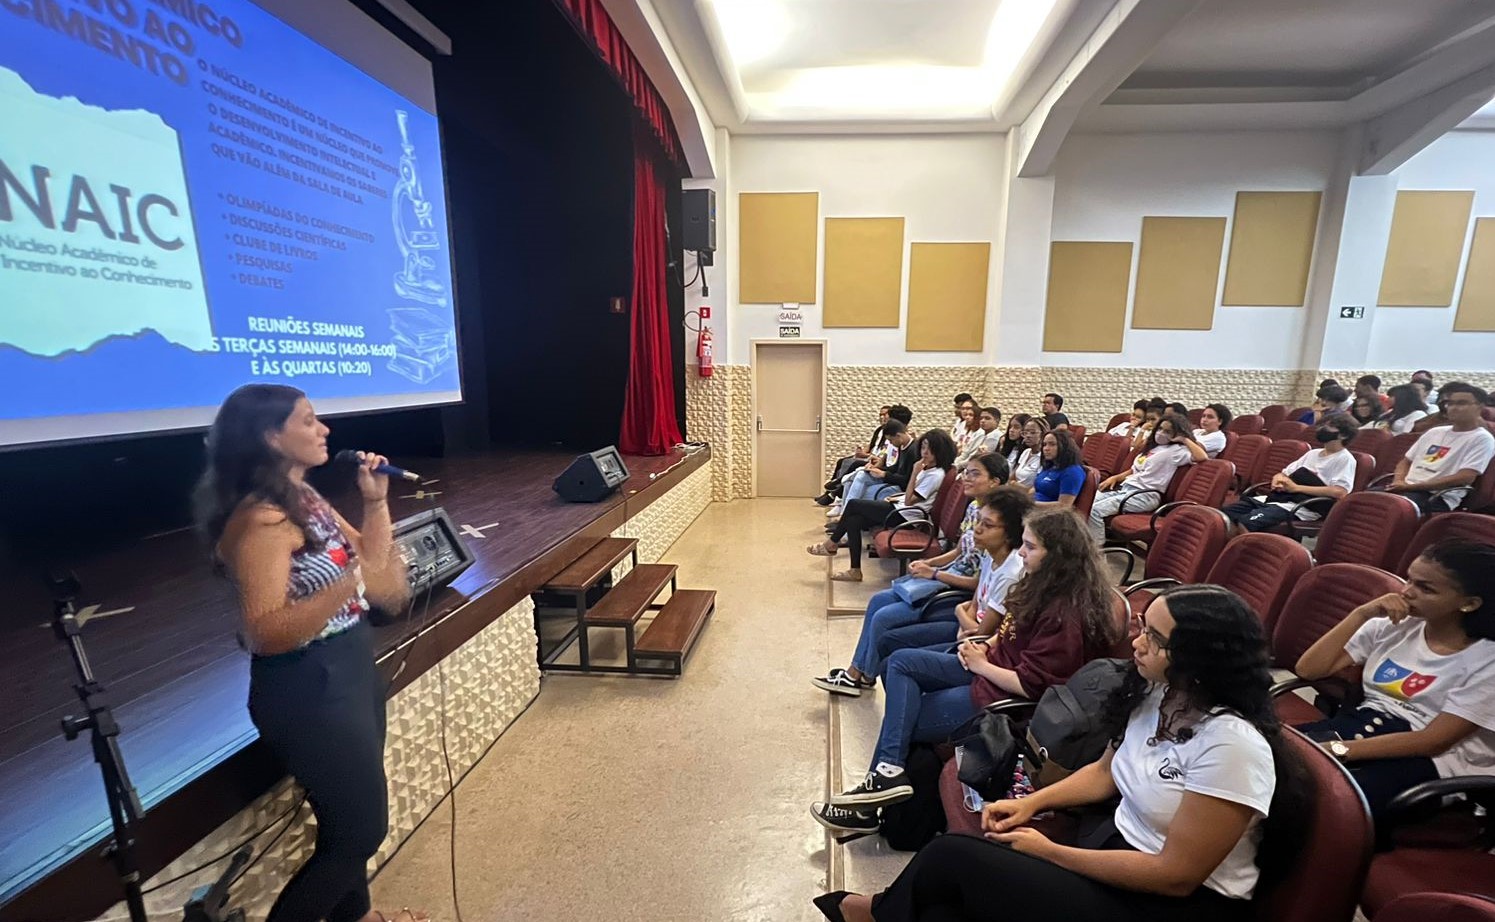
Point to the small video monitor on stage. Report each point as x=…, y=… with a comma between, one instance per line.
x=592, y=477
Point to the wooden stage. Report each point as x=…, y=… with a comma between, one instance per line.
x=161, y=635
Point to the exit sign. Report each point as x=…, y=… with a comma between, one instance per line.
x=1352, y=313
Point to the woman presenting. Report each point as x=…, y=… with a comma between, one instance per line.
x=305, y=578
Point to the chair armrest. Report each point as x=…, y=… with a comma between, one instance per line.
x=1164, y=509
x=1257, y=488
x=1375, y=482
x=925, y=526
x=1132, y=495
x=1279, y=689
x=1131, y=560
x=1013, y=707
x=942, y=597
x=1419, y=800
x=1308, y=503
x=1151, y=584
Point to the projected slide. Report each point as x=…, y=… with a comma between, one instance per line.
x=196, y=195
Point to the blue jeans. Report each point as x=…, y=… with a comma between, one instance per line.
x=937, y=633
x=864, y=486
x=887, y=612
x=928, y=697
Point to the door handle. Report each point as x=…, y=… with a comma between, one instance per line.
x=760, y=424
x=817, y=424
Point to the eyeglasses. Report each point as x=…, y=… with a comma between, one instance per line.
x=1461, y=403
x=1158, y=641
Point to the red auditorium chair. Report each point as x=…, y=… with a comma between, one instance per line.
x=1086, y=497
x=1195, y=416
x=925, y=536
x=1437, y=907
x=1325, y=881
x=1390, y=453
x=1431, y=844
x=1466, y=526
x=1101, y=452
x=1371, y=440
x=1365, y=469
x=1297, y=412
x=1078, y=432
x=1318, y=602
x=1188, y=543
x=1481, y=496
x=1247, y=453
x=1117, y=420
x=1204, y=484
x=1487, y=414
x=1369, y=528
x=1272, y=415
x=1365, y=466
x=1290, y=429
x=1279, y=454
x=1249, y=424
x=1262, y=569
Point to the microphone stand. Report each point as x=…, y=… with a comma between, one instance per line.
x=124, y=804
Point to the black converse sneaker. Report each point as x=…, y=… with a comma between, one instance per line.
x=885, y=785
x=839, y=682
x=847, y=824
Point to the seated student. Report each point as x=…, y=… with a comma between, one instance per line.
x=970, y=415
x=1407, y=409
x=1370, y=386
x=1128, y=428
x=1058, y=617
x=1029, y=462
x=1447, y=458
x=936, y=453
x=880, y=477
x=1330, y=398
x=1429, y=678
x=1423, y=380
x=1326, y=471
x=856, y=459
x=1182, y=409
x=985, y=439
x=959, y=428
x=1209, y=438
x=1011, y=445
x=1211, y=797
x=1052, y=405
x=1366, y=411
x=1061, y=476
x=1157, y=408
x=1153, y=469
x=957, y=568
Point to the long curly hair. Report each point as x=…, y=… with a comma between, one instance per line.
x=1071, y=574
x=1007, y=444
x=1217, y=658
x=241, y=462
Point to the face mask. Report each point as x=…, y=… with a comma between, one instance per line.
x=1326, y=435
x=1164, y=438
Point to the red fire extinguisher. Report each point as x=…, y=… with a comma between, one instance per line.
x=703, y=352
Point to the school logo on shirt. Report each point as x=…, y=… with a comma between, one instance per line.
x=1436, y=453
x=1400, y=682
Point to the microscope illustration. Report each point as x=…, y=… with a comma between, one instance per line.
x=423, y=339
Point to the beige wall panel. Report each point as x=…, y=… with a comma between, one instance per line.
x=1086, y=309
x=777, y=247
x=1427, y=242
x=863, y=272
x=1271, y=248
x=1178, y=273
x=947, y=296
x=1477, y=301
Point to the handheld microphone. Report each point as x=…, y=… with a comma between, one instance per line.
x=350, y=456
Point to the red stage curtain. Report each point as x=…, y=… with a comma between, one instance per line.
x=591, y=19
x=649, y=424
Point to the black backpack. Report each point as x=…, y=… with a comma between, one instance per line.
x=910, y=825
x=1067, y=731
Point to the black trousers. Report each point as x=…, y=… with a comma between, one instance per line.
x=859, y=515
x=844, y=466
x=1254, y=516
x=960, y=878
x=1380, y=780
x=321, y=710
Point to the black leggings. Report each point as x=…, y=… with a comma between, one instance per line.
x=321, y=710
x=958, y=878
x=858, y=515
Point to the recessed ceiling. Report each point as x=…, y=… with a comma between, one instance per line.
x=1343, y=45
x=877, y=60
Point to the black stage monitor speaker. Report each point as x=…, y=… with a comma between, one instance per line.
x=699, y=208
x=592, y=477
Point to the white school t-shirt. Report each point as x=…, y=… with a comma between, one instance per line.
x=1406, y=679
x=1154, y=469
x=1404, y=425
x=1125, y=429
x=1225, y=758
x=996, y=580
x=1212, y=442
x=1029, y=463
x=1442, y=452
x=927, y=485
x=1335, y=470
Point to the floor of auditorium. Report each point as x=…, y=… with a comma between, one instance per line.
x=641, y=799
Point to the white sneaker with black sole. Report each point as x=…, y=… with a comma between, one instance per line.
x=885, y=785
x=847, y=824
x=840, y=682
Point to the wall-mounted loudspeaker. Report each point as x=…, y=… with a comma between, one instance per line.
x=698, y=208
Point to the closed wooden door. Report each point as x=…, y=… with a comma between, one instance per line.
x=789, y=406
